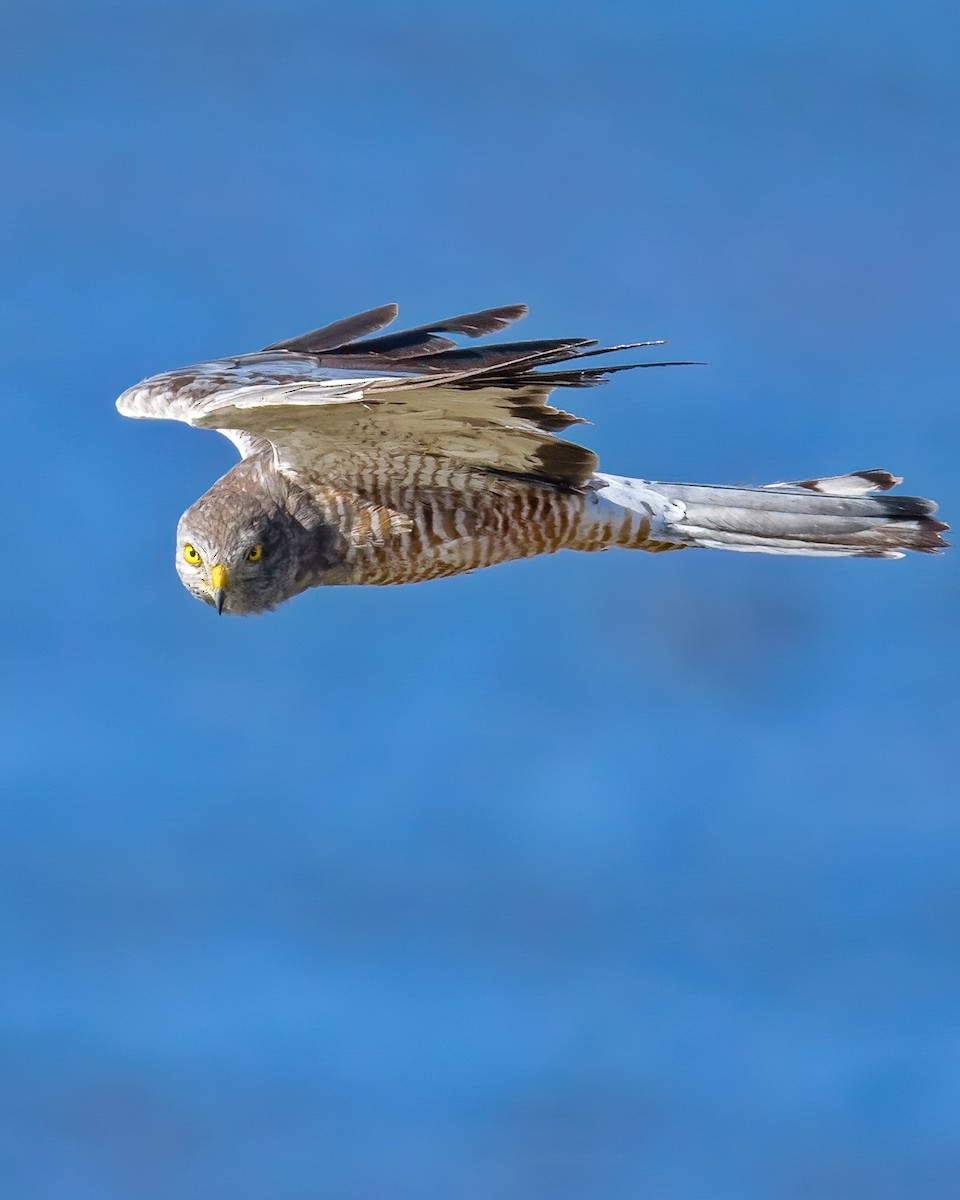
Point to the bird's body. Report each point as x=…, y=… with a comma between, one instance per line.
x=406, y=458
x=428, y=522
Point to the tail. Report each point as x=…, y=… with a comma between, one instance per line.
x=834, y=516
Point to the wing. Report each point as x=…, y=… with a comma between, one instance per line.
x=334, y=399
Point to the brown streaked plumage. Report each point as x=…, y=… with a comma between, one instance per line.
x=376, y=458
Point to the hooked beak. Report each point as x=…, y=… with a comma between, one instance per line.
x=218, y=581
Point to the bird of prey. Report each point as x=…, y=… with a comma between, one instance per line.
x=400, y=457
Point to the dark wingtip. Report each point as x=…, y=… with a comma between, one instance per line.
x=339, y=333
x=509, y=313
x=476, y=324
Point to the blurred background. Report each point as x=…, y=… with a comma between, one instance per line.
x=585, y=877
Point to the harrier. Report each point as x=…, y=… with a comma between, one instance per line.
x=405, y=456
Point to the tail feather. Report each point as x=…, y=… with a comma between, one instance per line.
x=857, y=483
x=833, y=516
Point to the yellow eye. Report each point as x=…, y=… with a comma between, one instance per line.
x=191, y=555
x=255, y=553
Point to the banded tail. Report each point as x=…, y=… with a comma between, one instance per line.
x=833, y=516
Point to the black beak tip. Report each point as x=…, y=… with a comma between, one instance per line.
x=218, y=599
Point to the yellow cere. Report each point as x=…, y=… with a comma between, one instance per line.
x=255, y=553
x=191, y=555
x=218, y=575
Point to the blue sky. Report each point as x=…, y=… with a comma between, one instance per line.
x=580, y=877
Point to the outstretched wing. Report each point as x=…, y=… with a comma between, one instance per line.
x=330, y=404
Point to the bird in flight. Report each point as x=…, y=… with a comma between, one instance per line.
x=401, y=457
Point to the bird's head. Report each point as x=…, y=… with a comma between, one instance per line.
x=238, y=551
x=233, y=574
